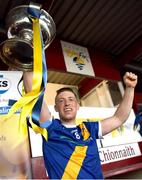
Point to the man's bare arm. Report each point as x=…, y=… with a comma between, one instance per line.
x=124, y=108
x=27, y=81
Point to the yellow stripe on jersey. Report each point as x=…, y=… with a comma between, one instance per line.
x=75, y=163
x=84, y=131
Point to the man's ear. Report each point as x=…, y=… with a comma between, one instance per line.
x=55, y=107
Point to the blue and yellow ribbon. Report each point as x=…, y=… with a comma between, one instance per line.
x=30, y=104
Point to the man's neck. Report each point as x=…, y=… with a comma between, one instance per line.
x=68, y=124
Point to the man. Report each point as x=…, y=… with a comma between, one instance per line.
x=71, y=151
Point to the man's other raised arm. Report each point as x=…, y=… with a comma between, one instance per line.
x=27, y=81
x=124, y=108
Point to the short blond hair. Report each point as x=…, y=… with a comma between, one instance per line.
x=71, y=89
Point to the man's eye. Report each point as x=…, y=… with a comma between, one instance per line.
x=71, y=99
x=60, y=100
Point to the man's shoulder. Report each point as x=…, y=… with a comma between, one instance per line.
x=91, y=124
x=56, y=122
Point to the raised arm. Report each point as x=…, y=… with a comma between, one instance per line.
x=27, y=81
x=124, y=108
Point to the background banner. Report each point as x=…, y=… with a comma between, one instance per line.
x=14, y=146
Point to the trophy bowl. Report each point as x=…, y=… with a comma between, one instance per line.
x=17, y=50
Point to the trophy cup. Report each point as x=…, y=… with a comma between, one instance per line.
x=17, y=50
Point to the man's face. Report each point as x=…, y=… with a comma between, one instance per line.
x=66, y=106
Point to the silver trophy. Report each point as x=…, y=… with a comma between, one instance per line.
x=17, y=50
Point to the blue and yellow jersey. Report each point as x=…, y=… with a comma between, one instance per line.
x=71, y=153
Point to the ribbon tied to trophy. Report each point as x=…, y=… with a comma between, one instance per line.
x=30, y=103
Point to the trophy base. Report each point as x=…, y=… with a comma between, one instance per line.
x=17, y=54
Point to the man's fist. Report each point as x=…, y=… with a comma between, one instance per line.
x=130, y=79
